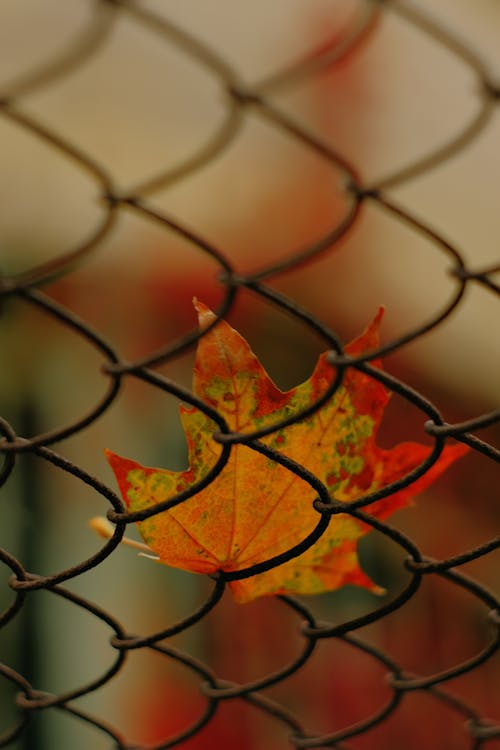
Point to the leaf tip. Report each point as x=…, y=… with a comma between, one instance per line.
x=113, y=460
x=121, y=468
x=369, y=339
x=205, y=314
x=373, y=327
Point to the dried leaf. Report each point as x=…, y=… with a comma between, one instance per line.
x=256, y=508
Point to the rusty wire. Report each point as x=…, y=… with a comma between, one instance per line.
x=25, y=288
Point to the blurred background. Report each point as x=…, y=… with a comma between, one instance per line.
x=139, y=106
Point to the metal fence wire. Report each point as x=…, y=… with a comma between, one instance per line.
x=26, y=289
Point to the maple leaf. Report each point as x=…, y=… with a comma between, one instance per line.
x=256, y=508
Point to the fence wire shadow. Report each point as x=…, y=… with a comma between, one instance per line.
x=26, y=289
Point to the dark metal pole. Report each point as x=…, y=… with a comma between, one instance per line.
x=31, y=534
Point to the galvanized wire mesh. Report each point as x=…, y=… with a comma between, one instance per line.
x=25, y=288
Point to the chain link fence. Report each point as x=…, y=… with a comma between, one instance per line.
x=22, y=443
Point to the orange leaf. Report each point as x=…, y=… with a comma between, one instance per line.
x=256, y=508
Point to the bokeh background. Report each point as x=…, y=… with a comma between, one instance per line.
x=139, y=107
